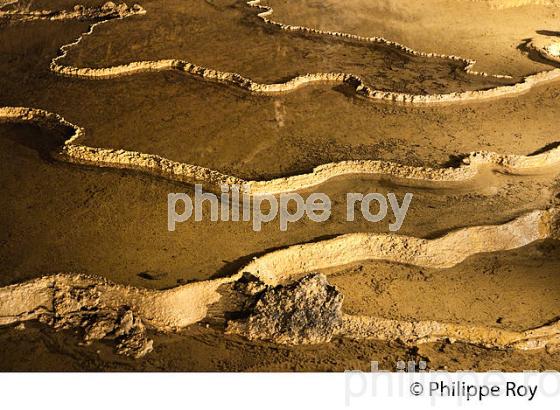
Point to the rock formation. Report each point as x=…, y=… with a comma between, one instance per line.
x=308, y=311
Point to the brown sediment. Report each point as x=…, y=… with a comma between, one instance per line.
x=179, y=307
x=71, y=151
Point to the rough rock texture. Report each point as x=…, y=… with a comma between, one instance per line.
x=307, y=311
x=107, y=11
x=80, y=307
x=549, y=50
x=555, y=224
x=554, y=49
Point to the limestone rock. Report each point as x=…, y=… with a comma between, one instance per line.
x=308, y=311
x=81, y=307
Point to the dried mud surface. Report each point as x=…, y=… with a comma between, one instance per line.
x=97, y=128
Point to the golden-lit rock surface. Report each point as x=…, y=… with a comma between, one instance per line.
x=105, y=108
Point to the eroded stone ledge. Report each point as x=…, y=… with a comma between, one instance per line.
x=73, y=151
x=103, y=306
x=112, y=12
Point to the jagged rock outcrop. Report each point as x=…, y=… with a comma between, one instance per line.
x=548, y=49
x=308, y=311
x=81, y=308
x=107, y=11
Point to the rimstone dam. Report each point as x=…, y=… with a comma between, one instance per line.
x=106, y=108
